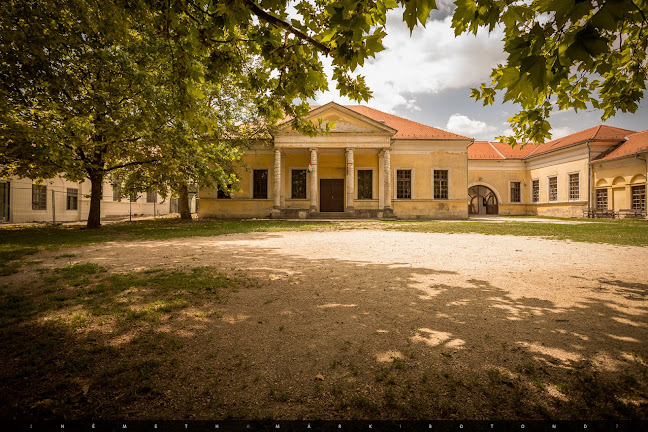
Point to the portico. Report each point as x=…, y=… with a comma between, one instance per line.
x=332, y=161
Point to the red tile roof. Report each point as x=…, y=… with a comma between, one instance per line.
x=498, y=150
x=407, y=129
x=636, y=143
x=596, y=133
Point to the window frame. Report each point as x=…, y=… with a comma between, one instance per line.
x=607, y=198
x=535, y=198
x=549, y=178
x=434, y=197
x=253, y=183
x=411, y=182
x=357, y=183
x=151, y=197
x=519, y=191
x=72, y=198
x=569, y=186
x=306, y=191
x=39, y=197
x=642, y=197
x=116, y=192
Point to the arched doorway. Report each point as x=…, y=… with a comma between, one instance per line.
x=482, y=200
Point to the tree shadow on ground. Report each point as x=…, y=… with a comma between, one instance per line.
x=291, y=338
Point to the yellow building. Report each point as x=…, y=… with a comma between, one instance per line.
x=619, y=175
x=600, y=167
x=374, y=164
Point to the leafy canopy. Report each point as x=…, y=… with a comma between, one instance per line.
x=562, y=54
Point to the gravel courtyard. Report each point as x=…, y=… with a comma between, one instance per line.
x=387, y=324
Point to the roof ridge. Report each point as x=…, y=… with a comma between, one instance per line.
x=498, y=152
x=404, y=118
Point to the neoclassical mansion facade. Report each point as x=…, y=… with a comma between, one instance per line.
x=374, y=164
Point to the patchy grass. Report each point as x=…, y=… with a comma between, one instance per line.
x=88, y=332
x=18, y=241
x=630, y=232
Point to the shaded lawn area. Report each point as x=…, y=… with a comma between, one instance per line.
x=627, y=232
x=16, y=242
x=80, y=342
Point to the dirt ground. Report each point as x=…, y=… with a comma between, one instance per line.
x=387, y=324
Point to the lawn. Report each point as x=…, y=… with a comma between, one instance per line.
x=294, y=320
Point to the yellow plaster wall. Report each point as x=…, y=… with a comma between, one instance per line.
x=562, y=171
x=241, y=203
x=232, y=208
x=500, y=182
x=431, y=209
x=422, y=166
x=618, y=177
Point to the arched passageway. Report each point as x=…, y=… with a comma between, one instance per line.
x=482, y=200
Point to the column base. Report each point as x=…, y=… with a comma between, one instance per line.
x=313, y=209
x=276, y=213
x=388, y=212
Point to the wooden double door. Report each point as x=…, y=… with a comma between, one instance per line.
x=331, y=195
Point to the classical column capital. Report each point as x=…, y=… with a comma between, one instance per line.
x=312, y=149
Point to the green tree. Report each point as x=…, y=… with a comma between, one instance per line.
x=83, y=93
x=92, y=87
x=562, y=54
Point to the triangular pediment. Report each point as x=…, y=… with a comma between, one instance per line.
x=342, y=120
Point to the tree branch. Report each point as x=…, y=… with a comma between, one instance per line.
x=277, y=22
x=130, y=164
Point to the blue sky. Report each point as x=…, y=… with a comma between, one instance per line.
x=427, y=77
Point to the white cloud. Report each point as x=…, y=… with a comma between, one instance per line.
x=462, y=125
x=560, y=132
x=433, y=59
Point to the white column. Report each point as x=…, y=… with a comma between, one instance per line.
x=277, y=180
x=387, y=179
x=314, y=180
x=350, y=180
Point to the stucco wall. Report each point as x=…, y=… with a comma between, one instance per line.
x=618, y=177
x=21, y=210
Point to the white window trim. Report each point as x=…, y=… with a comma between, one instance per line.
x=510, y=197
x=289, y=180
x=373, y=183
x=449, y=182
x=395, y=183
x=549, y=189
x=569, y=198
x=531, y=197
x=252, y=169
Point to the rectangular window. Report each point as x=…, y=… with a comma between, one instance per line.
x=404, y=184
x=116, y=192
x=260, y=184
x=440, y=184
x=134, y=197
x=639, y=198
x=39, y=197
x=365, y=183
x=72, y=201
x=601, y=199
x=535, y=186
x=553, y=188
x=151, y=197
x=574, y=187
x=515, y=192
x=298, y=183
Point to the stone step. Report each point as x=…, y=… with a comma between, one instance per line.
x=332, y=215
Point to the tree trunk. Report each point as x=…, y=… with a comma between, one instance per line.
x=94, y=216
x=183, y=202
